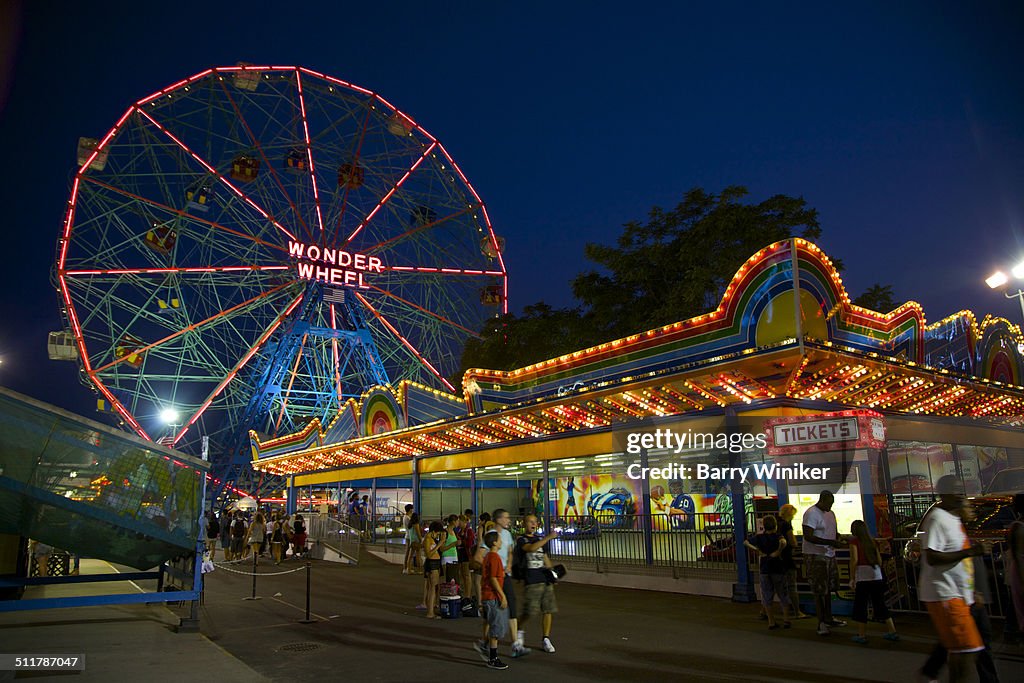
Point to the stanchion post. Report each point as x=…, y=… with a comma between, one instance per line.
x=307, y=620
x=255, y=557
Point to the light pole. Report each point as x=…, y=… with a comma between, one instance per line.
x=170, y=417
x=999, y=280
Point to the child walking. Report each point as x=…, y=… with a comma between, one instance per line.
x=495, y=603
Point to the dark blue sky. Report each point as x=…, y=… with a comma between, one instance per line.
x=902, y=123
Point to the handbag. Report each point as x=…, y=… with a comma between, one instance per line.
x=476, y=563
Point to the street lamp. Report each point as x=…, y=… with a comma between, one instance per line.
x=999, y=279
x=170, y=417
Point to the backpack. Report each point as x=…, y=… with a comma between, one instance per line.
x=238, y=528
x=214, y=527
x=519, y=561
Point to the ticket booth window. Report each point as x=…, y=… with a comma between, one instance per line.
x=849, y=501
x=838, y=452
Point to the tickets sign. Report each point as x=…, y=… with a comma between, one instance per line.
x=848, y=430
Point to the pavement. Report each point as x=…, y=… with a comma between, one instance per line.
x=365, y=628
x=119, y=642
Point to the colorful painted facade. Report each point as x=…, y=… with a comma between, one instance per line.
x=785, y=329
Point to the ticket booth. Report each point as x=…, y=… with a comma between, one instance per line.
x=842, y=452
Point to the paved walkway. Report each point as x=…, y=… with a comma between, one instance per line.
x=120, y=642
x=367, y=630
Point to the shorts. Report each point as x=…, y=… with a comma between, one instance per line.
x=496, y=618
x=539, y=598
x=822, y=574
x=431, y=566
x=510, y=594
x=873, y=591
x=956, y=628
x=772, y=585
x=449, y=560
x=237, y=543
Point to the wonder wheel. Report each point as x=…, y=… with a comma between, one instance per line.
x=249, y=247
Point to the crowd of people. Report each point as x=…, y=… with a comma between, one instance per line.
x=484, y=561
x=509, y=577
x=480, y=566
x=273, y=535
x=952, y=581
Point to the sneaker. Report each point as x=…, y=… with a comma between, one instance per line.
x=894, y=637
x=548, y=647
x=496, y=664
x=823, y=629
x=482, y=649
x=405, y=571
x=520, y=651
x=837, y=622
x=860, y=639
x=421, y=608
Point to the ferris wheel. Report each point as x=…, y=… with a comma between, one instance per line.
x=254, y=245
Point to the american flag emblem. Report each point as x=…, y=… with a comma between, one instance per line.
x=334, y=296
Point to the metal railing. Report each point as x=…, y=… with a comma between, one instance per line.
x=905, y=594
x=700, y=545
x=337, y=536
x=89, y=488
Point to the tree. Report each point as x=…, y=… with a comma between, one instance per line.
x=510, y=341
x=674, y=266
x=877, y=297
x=677, y=264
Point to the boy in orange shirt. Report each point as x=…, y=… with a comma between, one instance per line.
x=495, y=604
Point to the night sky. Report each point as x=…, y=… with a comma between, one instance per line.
x=902, y=123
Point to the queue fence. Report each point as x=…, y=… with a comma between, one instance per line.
x=336, y=535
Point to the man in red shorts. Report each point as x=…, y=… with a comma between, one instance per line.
x=946, y=584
